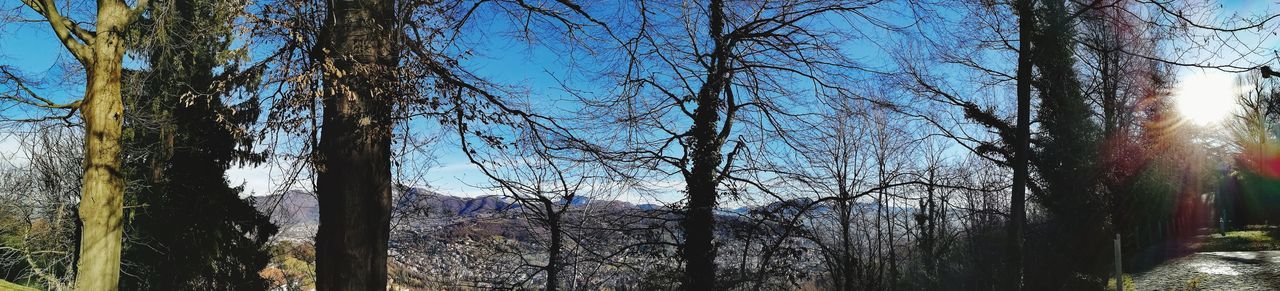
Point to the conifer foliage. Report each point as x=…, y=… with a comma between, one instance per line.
x=188, y=229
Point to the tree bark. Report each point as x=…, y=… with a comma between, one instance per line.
x=699, y=222
x=102, y=193
x=848, y=261
x=554, y=261
x=357, y=48
x=1017, y=208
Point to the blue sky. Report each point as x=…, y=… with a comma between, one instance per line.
x=32, y=48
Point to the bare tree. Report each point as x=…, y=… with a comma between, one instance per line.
x=39, y=187
x=100, y=51
x=703, y=82
x=836, y=166
x=547, y=188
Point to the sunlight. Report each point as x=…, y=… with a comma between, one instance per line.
x=1206, y=98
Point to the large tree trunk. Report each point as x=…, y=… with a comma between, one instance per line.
x=699, y=222
x=102, y=195
x=1017, y=209
x=357, y=48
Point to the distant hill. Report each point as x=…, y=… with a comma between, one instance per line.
x=297, y=212
x=298, y=216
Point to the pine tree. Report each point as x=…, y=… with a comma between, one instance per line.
x=188, y=228
x=1068, y=146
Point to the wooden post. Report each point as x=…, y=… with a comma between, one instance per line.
x=1119, y=266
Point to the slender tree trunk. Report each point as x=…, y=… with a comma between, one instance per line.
x=357, y=46
x=845, y=280
x=1017, y=209
x=102, y=196
x=847, y=263
x=699, y=222
x=553, y=261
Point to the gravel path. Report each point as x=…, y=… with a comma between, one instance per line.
x=1255, y=270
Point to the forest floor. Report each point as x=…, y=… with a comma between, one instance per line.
x=1240, y=260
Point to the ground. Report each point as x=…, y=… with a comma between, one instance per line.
x=1240, y=260
x=1242, y=270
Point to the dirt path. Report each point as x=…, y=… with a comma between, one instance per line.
x=1249, y=270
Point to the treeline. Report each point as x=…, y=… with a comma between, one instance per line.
x=867, y=145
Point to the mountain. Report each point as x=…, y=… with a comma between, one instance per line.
x=298, y=214
x=445, y=205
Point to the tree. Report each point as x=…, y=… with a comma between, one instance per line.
x=100, y=52
x=1021, y=147
x=545, y=186
x=1129, y=93
x=856, y=162
x=1253, y=135
x=1067, y=149
x=687, y=90
x=38, y=226
x=369, y=66
x=357, y=45
x=999, y=31
x=838, y=164
x=188, y=228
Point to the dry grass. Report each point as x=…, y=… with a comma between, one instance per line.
x=1128, y=283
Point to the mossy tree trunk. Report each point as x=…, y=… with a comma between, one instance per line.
x=699, y=251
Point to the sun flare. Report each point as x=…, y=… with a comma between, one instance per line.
x=1206, y=98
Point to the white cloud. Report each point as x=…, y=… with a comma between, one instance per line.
x=264, y=179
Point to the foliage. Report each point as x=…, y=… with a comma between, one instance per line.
x=292, y=266
x=188, y=229
x=1065, y=160
x=1253, y=137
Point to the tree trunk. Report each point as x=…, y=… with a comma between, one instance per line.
x=699, y=222
x=357, y=48
x=1018, y=206
x=553, y=261
x=102, y=195
x=848, y=260
x=844, y=280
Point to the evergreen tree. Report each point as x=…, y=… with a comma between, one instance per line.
x=1065, y=159
x=188, y=228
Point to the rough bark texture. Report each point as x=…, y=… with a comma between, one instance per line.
x=1017, y=209
x=699, y=221
x=102, y=195
x=357, y=49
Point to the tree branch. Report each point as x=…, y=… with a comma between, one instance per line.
x=64, y=28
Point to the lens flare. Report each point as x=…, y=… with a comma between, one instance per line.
x=1206, y=98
